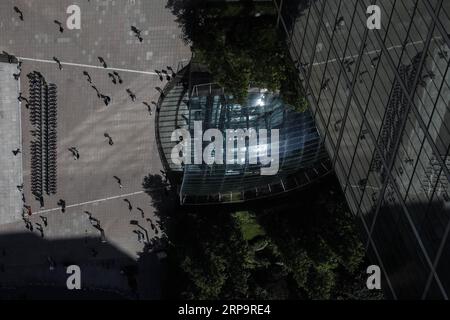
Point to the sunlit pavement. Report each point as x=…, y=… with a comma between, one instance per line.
x=87, y=184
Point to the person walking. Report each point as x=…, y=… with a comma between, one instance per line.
x=110, y=140
x=137, y=33
x=130, y=207
x=88, y=76
x=61, y=29
x=58, y=62
x=112, y=77
x=132, y=95
x=62, y=204
x=119, y=181
x=118, y=76
x=17, y=10
x=103, y=62
x=149, y=108
x=142, y=212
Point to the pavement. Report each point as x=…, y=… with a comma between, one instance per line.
x=10, y=139
x=88, y=184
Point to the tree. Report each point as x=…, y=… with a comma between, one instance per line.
x=318, y=240
x=305, y=246
x=241, y=46
x=211, y=255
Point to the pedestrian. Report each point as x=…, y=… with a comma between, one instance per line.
x=111, y=142
x=118, y=181
x=40, y=229
x=88, y=213
x=58, y=62
x=44, y=220
x=171, y=70
x=106, y=99
x=22, y=98
x=130, y=207
x=132, y=95
x=112, y=77
x=102, y=61
x=88, y=76
x=28, y=208
x=149, y=108
x=137, y=33
x=75, y=153
x=61, y=29
x=52, y=263
x=118, y=76
x=160, y=91
x=138, y=234
x=161, y=78
x=96, y=90
x=62, y=204
x=19, y=12
x=94, y=221
x=374, y=60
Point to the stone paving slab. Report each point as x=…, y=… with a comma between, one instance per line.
x=10, y=139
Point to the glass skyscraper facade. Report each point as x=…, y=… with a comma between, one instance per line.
x=380, y=99
x=192, y=98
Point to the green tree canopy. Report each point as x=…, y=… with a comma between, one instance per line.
x=241, y=46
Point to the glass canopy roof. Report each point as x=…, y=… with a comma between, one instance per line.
x=300, y=147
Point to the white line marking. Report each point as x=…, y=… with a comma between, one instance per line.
x=88, y=66
x=375, y=51
x=90, y=202
x=367, y=187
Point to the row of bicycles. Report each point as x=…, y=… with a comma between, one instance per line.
x=43, y=118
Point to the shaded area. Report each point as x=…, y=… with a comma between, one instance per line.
x=34, y=268
x=390, y=150
x=234, y=40
x=301, y=246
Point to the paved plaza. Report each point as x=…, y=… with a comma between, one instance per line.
x=10, y=140
x=87, y=184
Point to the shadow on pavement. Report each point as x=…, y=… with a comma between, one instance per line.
x=32, y=267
